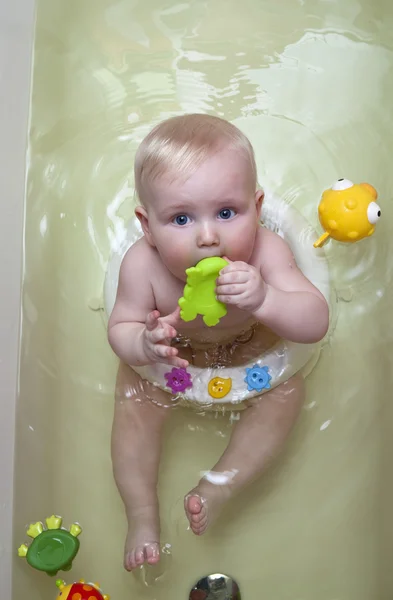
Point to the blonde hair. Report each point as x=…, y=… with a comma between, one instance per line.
x=181, y=144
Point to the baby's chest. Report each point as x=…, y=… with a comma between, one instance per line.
x=167, y=292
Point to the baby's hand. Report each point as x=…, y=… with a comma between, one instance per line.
x=156, y=339
x=242, y=285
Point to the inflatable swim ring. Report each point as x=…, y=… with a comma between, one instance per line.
x=232, y=385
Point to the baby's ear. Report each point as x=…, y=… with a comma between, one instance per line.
x=142, y=215
x=259, y=196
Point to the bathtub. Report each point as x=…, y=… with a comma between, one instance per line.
x=311, y=84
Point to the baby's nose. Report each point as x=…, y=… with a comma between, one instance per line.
x=207, y=235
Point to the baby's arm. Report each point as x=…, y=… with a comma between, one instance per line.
x=293, y=307
x=277, y=293
x=136, y=332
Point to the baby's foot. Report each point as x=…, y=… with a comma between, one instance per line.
x=143, y=538
x=197, y=512
x=203, y=504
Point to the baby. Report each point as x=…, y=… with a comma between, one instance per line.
x=196, y=181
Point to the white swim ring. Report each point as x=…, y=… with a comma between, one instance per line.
x=272, y=367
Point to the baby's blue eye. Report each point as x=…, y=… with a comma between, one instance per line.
x=181, y=220
x=226, y=213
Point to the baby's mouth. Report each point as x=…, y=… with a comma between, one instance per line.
x=212, y=255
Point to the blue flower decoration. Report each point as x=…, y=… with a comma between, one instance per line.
x=258, y=378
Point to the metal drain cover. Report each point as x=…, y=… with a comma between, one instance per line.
x=215, y=587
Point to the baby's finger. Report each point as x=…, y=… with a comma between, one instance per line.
x=173, y=319
x=152, y=319
x=232, y=290
x=178, y=362
x=235, y=266
x=234, y=299
x=159, y=334
x=163, y=351
x=233, y=277
x=168, y=355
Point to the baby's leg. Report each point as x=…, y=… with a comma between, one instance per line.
x=257, y=438
x=136, y=447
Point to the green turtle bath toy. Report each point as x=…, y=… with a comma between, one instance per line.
x=53, y=549
x=199, y=292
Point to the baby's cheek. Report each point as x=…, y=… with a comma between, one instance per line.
x=180, y=250
x=171, y=245
x=178, y=254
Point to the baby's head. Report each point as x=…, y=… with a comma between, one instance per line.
x=178, y=146
x=196, y=180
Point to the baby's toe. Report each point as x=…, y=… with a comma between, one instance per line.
x=197, y=518
x=193, y=505
x=139, y=556
x=129, y=560
x=152, y=553
x=200, y=526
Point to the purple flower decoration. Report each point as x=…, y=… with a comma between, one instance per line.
x=178, y=380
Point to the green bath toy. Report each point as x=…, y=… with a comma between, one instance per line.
x=53, y=549
x=199, y=292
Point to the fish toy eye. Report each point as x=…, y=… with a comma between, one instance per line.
x=342, y=184
x=373, y=213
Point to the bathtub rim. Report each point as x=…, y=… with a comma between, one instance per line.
x=16, y=38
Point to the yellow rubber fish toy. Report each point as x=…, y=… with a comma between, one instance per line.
x=348, y=212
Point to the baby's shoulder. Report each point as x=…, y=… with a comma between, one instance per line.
x=140, y=258
x=270, y=248
x=268, y=240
